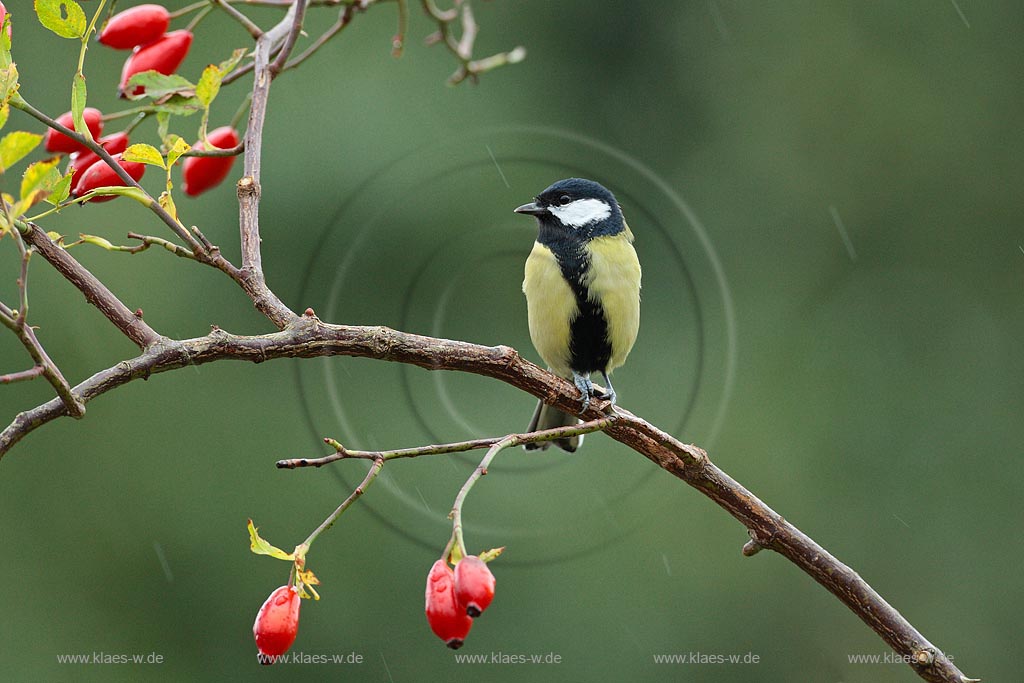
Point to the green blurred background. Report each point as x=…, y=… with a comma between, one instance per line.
x=826, y=199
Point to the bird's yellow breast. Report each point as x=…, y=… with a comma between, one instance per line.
x=551, y=306
x=613, y=281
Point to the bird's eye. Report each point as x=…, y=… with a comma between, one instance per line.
x=564, y=199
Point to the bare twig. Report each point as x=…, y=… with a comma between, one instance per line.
x=342, y=453
x=375, y=469
x=254, y=30
x=23, y=375
x=96, y=293
x=462, y=48
x=289, y=42
x=308, y=337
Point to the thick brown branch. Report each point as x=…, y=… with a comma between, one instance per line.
x=308, y=337
x=253, y=280
x=95, y=291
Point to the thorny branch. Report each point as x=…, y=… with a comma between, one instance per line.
x=305, y=337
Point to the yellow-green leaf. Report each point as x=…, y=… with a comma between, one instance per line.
x=63, y=17
x=98, y=241
x=167, y=203
x=261, y=547
x=307, y=579
x=209, y=84
x=15, y=146
x=57, y=238
x=61, y=189
x=178, y=147
x=133, y=192
x=78, y=97
x=38, y=180
x=231, y=62
x=158, y=85
x=144, y=154
x=8, y=82
x=5, y=111
x=489, y=555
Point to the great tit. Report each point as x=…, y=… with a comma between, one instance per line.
x=582, y=290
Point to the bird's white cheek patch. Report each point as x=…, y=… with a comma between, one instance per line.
x=581, y=212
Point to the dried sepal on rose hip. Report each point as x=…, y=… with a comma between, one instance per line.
x=135, y=26
x=474, y=585
x=447, y=619
x=102, y=175
x=277, y=624
x=200, y=174
x=163, y=56
x=61, y=144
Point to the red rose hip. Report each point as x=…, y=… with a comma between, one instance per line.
x=277, y=624
x=114, y=144
x=447, y=619
x=62, y=144
x=199, y=174
x=163, y=56
x=135, y=26
x=474, y=585
x=102, y=175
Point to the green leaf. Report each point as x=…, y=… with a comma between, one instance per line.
x=61, y=190
x=78, y=96
x=178, y=147
x=63, y=17
x=5, y=111
x=38, y=180
x=261, y=547
x=209, y=85
x=158, y=85
x=15, y=146
x=144, y=154
x=8, y=82
x=178, y=105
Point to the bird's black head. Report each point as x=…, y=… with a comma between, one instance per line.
x=577, y=207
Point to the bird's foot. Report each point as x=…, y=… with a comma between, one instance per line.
x=586, y=388
x=609, y=393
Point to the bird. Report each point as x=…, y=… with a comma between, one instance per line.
x=582, y=287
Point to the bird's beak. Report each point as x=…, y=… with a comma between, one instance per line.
x=532, y=209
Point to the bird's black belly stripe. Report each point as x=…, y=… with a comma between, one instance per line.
x=589, y=347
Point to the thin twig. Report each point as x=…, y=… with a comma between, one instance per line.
x=95, y=291
x=375, y=469
x=344, y=18
x=254, y=30
x=289, y=42
x=31, y=373
x=342, y=453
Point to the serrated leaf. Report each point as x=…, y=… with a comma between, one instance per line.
x=158, y=85
x=229, y=64
x=63, y=17
x=489, y=555
x=15, y=146
x=209, y=85
x=38, y=180
x=143, y=154
x=98, y=241
x=261, y=547
x=8, y=82
x=61, y=190
x=178, y=147
x=78, y=97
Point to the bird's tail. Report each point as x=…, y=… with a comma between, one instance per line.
x=548, y=417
